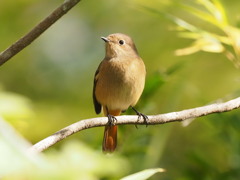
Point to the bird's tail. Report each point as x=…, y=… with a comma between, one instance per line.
x=109, y=139
x=110, y=135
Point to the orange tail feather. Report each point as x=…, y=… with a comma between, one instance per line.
x=110, y=133
x=109, y=139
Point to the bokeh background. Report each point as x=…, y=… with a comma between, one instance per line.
x=49, y=84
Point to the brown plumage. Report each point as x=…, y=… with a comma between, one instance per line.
x=118, y=83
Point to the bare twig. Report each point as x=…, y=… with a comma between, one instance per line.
x=36, y=31
x=156, y=119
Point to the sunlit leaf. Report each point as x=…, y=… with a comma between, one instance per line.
x=142, y=175
x=234, y=34
x=207, y=44
x=210, y=45
x=223, y=16
x=200, y=14
x=187, y=51
x=184, y=24
x=216, y=10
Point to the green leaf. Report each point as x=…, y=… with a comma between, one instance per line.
x=174, y=68
x=153, y=83
x=13, y=152
x=184, y=24
x=201, y=14
x=14, y=106
x=208, y=44
x=216, y=9
x=222, y=11
x=142, y=175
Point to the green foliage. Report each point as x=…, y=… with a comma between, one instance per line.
x=225, y=41
x=74, y=161
x=14, y=106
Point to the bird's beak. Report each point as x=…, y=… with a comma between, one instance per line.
x=105, y=39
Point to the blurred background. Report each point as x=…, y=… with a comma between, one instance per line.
x=190, y=49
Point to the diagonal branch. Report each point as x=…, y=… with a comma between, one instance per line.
x=155, y=119
x=37, y=31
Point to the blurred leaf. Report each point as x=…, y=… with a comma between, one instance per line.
x=13, y=150
x=200, y=14
x=234, y=35
x=205, y=40
x=187, y=50
x=217, y=10
x=84, y=161
x=195, y=35
x=74, y=161
x=143, y=175
x=175, y=67
x=153, y=82
x=184, y=24
x=14, y=106
x=209, y=44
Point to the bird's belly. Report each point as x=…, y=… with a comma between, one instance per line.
x=120, y=98
x=119, y=92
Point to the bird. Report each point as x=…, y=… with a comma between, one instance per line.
x=118, y=84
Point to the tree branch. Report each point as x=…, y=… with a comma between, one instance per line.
x=155, y=119
x=37, y=31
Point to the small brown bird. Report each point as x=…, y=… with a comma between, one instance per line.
x=118, y=83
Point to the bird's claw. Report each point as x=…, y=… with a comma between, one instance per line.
x=145, y=118
x=111, y=119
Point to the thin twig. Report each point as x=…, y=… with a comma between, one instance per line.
x=155, y=119
x=37, y=31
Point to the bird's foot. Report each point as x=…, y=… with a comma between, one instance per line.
x=145, y=118
x=111, y=119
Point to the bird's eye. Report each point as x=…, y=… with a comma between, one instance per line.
x=121, y=42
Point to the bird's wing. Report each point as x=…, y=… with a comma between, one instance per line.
x=97, y=105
